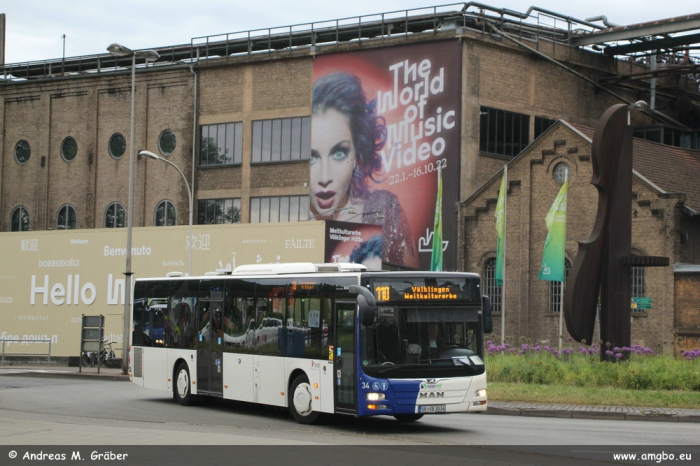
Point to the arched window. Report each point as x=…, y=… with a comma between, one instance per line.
x=19, y=220
x=492, y=290
x=66, y=219
x=114, y=216
x=166, y=215
x=556, y=291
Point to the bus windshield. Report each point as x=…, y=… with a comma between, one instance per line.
x=425, y=328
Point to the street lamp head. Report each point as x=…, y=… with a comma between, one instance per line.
x=639, y=105
x=148, y=154
x=119, y=50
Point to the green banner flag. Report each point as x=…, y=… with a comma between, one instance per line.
x=501, y=230
x=554, y=253
x=436, y=258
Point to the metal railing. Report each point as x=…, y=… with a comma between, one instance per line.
x=381, y=26
x=48, y=355
x=536, y=25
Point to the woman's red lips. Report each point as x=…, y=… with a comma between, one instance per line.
x=325, y=199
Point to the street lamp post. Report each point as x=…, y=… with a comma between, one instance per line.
x=151, y=155
x=149, y=55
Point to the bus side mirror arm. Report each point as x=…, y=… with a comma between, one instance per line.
x=367, y=303
x=488, y=317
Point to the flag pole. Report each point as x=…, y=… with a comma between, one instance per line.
x=503, y=286
x=561, y=314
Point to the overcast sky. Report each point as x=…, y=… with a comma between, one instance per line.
x=34, y=28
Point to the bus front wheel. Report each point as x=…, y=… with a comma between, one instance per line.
x=408, y=417
x=300, y=401
x=182, y=390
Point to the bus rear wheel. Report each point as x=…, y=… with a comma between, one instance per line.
x=408, y=417
x=181, y=388
x=300, y=401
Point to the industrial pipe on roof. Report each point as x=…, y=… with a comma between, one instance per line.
x=604, y=19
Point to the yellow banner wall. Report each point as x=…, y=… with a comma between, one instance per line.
x=49, y=279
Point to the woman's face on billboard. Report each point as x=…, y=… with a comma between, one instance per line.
x=333, y=161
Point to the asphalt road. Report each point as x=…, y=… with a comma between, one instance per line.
x=62, y=411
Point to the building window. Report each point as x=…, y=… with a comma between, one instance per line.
x=492, y=290
x=114, y=216
x=22, y=152
x=66, y=219
x=556, y=290
x=542, y=125
x=221, y=144
x=166, y=215
x=281, y=140
x=561, y=172
x=19, y=220
x=637, y=283
x=503, y=133
x=279, y=209
x=69, y=149
x=215, y=211
x=117, y=145
x=167, y=142
x=669, y=136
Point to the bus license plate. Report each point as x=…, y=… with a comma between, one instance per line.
x=432, y=409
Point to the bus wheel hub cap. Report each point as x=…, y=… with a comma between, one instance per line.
x=182, y=384
x=302, y=399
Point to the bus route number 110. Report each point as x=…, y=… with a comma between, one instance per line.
x=382, y=293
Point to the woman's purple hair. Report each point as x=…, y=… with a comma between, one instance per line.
x=343, y=92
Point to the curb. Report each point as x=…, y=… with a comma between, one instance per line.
x=602, y=415
x=65, y=374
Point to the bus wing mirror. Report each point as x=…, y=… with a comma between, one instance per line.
x=367, y=303
x=488, y=317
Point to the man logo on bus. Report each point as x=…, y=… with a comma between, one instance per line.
x=432, y=395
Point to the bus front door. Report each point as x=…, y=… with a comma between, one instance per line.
x=344, y=357
x=209, y=354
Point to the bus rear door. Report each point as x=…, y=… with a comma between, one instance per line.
x=209, y=347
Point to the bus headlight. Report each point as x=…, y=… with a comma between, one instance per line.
x=480, y=393
x=375, y=396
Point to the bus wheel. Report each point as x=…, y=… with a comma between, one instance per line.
x=182, y=391
x=408, y=417
x=300, y=401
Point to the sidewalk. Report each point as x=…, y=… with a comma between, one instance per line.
x=54, y=370
x=507, y=408
x=614, y=413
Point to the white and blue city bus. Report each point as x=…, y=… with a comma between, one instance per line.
x=316, y=338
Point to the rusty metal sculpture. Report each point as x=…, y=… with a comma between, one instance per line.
x=603, y=263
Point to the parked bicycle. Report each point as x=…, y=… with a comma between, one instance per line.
x=106, y=356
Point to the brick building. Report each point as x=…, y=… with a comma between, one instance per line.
x=219, y=108
x=665, y=222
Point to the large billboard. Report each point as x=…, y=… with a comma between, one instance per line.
x=384, y=122
x=49, y=279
